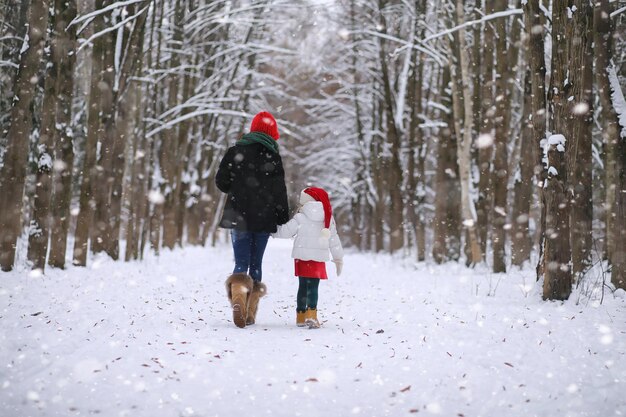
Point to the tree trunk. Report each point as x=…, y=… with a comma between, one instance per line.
x=557, y=251
x=170, y=152
x=184, y=164
x=130, y=111
x=136, y=188
x=415, y=169
x=536, y=62
x=39, y=229
x=87, y=190
x=500, y=162
x=464, y=141
x=485, y=142
x=618, y=259
x=147, y=208
x=13, y=172
x=521, y=242
x=447, y=240
x=359, y=200
x=64, y=152
x=603, y=50
x=376, y=146
x=101, y=240
x=578, y=153
x=393, y=168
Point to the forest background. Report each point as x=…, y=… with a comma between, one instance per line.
x=476, y=131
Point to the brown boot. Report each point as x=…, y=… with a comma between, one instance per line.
x=310, y=319
x=258, y=290
x=238, y=287
x=300, y=317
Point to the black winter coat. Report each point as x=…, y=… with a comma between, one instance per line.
x=254, y=179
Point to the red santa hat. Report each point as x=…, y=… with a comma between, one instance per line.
x=319, y=194
x=264, y=122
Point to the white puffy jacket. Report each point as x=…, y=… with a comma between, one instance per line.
x=307, y=226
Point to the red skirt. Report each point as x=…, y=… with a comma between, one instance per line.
x=311, y=269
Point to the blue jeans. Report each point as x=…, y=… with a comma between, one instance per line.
x=249, y=248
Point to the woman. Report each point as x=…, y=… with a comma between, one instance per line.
x=252, y=175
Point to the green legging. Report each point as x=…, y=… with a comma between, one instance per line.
x=307, y=293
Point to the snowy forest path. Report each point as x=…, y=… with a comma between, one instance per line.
x=155, y=338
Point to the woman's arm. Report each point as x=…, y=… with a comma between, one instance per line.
x=224, y=175
x=280, y=191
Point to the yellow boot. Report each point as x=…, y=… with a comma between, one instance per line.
x=300, y=318
x=310, y=319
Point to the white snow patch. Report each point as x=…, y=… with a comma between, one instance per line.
x=45, y=161
x=558, y=141
x=552, y=171
x=25, y=44
x=617, y=97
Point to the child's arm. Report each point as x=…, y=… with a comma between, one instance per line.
x=289, y=229
x=336, y=250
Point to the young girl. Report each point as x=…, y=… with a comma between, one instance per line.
x=315, y=234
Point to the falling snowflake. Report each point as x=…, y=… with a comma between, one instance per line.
x=484, y=140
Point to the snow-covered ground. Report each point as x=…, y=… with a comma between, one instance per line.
x=155, y=338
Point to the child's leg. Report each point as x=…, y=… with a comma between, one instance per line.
x=301, y=299
x=312, y=292
x=310, y=317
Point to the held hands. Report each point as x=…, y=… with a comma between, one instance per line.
x=338, y=265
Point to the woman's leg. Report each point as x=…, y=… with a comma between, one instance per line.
x=302, y=295
x=312, y=292
x=241, y=247
x=257, y=249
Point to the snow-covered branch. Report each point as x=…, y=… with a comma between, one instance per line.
x=484, y=19
x=90, y=16
x=110, y=29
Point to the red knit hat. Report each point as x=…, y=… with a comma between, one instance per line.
x=322, y=196
x=264, y=122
